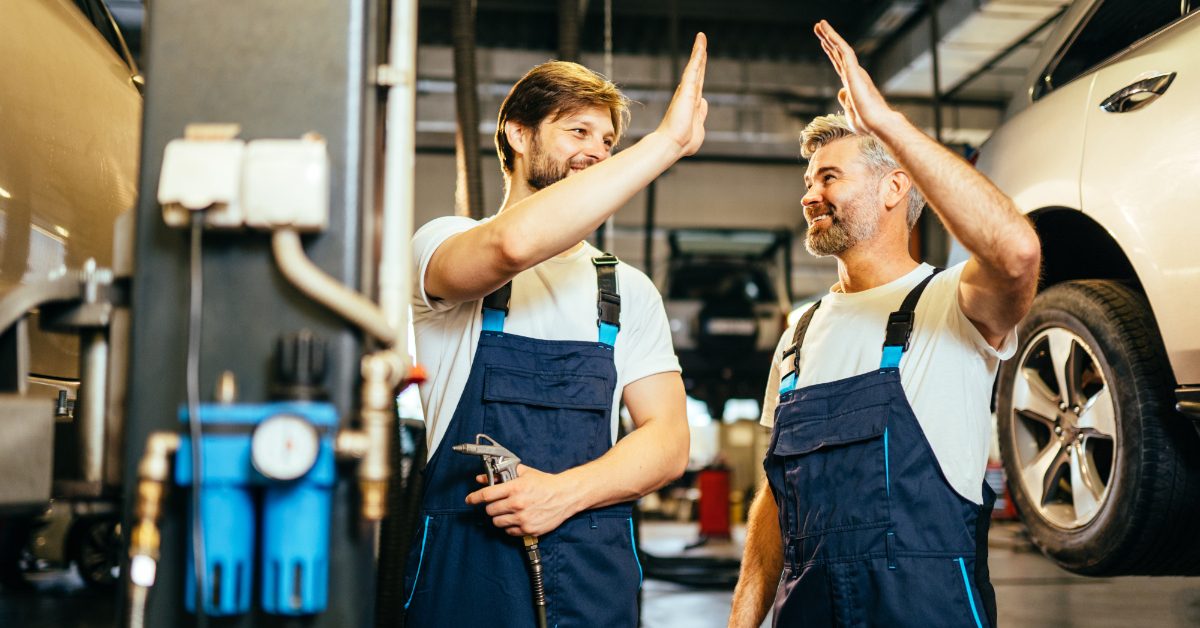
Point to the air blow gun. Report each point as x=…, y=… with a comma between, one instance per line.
x=501, y=466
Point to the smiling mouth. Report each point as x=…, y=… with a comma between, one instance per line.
x=816, y=219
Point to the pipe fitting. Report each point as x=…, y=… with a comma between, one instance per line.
x=381, y=372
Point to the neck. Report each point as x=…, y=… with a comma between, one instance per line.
x=515, y=191
x=871, y=264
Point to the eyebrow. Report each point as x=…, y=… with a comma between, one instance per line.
x=833, y=169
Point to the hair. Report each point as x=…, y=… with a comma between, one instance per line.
x=552, y=90
x=825, y=130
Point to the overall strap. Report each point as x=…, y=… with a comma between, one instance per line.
x=495, y=308
x=788, y=383
x=900, y=325
x=608, y=301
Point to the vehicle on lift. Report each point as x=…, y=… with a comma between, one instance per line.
x=727, y=296
x=71, y=92
x=1095, y=412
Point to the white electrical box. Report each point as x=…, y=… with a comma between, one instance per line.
x=202, y=175
x=285, y=183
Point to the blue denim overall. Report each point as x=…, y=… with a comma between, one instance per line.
x=873, y=535
x=550, y=403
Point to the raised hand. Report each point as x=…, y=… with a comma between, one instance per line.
x=864, y=105
x=684, y=120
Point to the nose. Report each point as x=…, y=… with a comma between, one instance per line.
x=812, y=196
x=597, y=150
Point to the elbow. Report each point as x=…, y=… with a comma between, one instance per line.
x=679, y=456
x=513, y=251
x=1023, y=255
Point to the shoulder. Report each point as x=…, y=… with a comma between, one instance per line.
x=634, y=281
x=441, y=228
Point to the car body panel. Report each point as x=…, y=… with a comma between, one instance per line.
x=1137, y=174
x=1141, y=180
x=68, y=153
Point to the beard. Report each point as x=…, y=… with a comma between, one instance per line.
x=544, y=171
x=857, y=221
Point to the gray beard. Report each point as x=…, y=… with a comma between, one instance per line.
x=846, y=229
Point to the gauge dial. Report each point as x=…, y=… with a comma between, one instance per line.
x=284, y=447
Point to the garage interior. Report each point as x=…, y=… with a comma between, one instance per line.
x=401, y=96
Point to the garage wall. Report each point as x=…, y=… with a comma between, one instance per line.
x=691, y=194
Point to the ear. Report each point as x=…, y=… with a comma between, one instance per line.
x=894, y=189
x=517, y=136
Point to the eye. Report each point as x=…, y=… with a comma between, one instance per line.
x=827, y=178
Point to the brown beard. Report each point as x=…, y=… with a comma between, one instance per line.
x=543, y=170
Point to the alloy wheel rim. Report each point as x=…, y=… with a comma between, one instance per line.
x=1063, y=429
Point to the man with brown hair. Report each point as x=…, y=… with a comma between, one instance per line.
x=533, y=337
x=876, y=512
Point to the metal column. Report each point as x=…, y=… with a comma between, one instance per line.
x=279, y=70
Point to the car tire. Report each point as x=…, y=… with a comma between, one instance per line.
x=1101, y=504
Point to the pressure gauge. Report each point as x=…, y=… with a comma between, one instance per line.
x=284, y=447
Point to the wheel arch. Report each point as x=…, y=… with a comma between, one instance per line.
x=1074, y=246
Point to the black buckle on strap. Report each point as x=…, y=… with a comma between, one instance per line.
x=605, y=260
x=899, y=329
x=608, y=309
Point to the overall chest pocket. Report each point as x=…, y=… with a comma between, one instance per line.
x=553, y=421
x=835, y=471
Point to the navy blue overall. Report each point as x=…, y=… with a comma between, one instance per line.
x=550, y=403
x=873, y=535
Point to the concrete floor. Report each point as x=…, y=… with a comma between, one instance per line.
x=1031, y=592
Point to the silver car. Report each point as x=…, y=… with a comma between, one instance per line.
x=1096, y=411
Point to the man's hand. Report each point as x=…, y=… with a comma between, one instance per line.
x=684, y=120
x=864, y=105
x=533, y=504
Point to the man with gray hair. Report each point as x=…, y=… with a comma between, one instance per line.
x=876, y=511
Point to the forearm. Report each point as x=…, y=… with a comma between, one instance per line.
x=472, y=264
x=973, y=209
x=762, y=563
x=558, y=217
x=647, y=459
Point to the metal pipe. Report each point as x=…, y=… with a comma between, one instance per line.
x=568, y=30
x=91, y=404
x=935, y=34
x=469, y=192
x=381, y=374
x=154, y=474
x=395, y=276
x=320, y=287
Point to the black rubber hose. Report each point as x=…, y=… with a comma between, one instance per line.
x=399, y=526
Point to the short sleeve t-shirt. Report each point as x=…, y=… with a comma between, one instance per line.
x=555, y=300
x=947, y=372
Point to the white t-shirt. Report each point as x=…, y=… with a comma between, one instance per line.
x=555, y=300
x=947, y=372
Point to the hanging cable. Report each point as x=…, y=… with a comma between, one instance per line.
x=195, y=311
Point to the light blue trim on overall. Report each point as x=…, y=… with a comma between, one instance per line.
x=608, y=334
x=891, y=357
x=970, y=598
x=633, y=541
x=788, y=384
x=887, y=464
x=420, y=559
x=493, y=320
